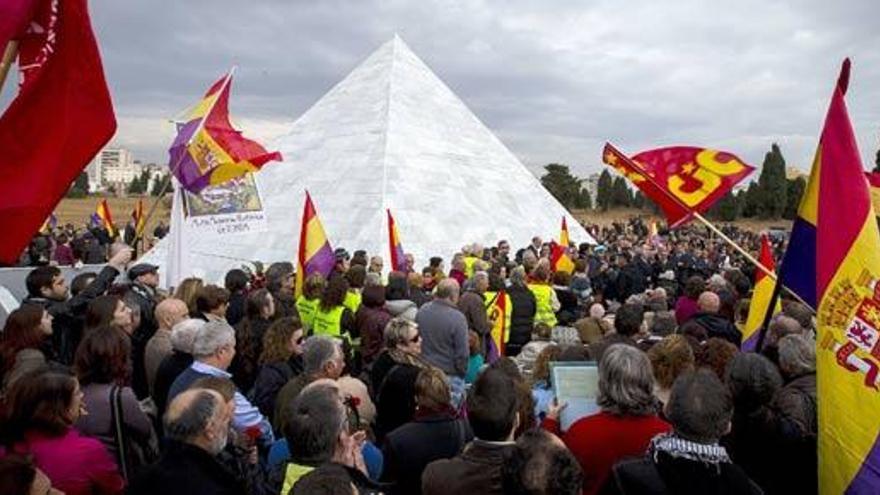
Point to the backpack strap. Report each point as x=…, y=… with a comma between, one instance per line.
x=117, y=423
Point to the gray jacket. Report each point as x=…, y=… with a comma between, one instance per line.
x=444, y=332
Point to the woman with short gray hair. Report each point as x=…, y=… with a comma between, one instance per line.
x=626, y=422
x=796, y=404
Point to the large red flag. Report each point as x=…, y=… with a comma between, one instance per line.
x=59, y=120
x=682, y=180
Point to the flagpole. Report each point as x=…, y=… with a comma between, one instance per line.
x=174, y=168
x=9, y=54
x=762, y=332
x=707, y=223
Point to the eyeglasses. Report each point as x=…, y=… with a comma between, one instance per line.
x=416, y=338
x=300, y=340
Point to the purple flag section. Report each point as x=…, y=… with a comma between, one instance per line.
x=184, y=168
x=322, y=262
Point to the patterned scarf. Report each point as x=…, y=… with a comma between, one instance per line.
x=677, y=447
x=403, y=357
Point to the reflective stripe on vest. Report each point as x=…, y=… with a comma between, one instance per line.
x=543, y=298
x=352, y=301
x=328, y=323
x=469, y=262
x=306, y=309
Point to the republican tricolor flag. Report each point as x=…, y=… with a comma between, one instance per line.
x=398, y=259
x=762, y=294
x=208, y=150
x=50, y=224
x=137, y=217
x=560, y=261
x=847, y=270
x=314, y=254
x=103, y=212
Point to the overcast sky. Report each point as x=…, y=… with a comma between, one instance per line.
x=552, y=79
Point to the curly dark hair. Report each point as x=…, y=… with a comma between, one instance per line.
x=715, y=354
x=103, y=357
x=537, y=465
x=21, y=331
x=276, y=339
x=694, y=286
x=334, y=294
x=101, y=310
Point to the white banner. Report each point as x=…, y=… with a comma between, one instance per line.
x=234, y=207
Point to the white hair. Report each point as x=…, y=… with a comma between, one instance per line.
x=211, y=337
x=184, y=333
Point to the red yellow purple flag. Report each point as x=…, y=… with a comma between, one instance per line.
x=762, y=294
x=314, y=254
x=682, y=180
x=137, y=217
x=848, y=294
x=103, y=212
x=560, y=261
x=499, y=310
x=398, y=259
x=208, y=150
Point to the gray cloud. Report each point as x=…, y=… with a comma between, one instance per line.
x=554, y=80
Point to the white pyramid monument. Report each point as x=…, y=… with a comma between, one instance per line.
x=390, y=135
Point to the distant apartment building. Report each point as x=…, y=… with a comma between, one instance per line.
x=591, y=184
x=112, y=166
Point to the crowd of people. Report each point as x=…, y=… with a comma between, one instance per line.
x=369, y=381
x=69, y=245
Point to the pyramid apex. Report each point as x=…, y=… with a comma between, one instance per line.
x=397, y=42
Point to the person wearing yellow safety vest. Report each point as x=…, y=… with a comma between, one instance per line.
x=307, y=302
x=522, y=314
x=545, y=297
x=355, y=276
x=332, y=318
x=472, y=254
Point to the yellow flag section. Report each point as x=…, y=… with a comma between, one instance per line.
x=560, y=261
x=498, y=309
x=847, y=289
x=761, y=296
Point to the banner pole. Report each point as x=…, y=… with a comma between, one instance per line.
x=9, y=54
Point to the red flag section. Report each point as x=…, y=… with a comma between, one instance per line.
x=682, y=180
x=59, y=120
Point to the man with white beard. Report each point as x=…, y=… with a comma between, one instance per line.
x=196, y=430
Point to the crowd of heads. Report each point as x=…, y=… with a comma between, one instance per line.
x=338, y=369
